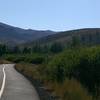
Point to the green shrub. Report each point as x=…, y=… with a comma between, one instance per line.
x=35, y=59
x=83, y=64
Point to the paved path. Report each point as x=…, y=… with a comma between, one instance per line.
x=17, y=87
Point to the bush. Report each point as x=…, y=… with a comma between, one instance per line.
x=35, y=59
x=82, y=64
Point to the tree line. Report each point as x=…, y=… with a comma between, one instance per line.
x=53, y=48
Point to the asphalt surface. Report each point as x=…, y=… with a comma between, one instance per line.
x=17, y=87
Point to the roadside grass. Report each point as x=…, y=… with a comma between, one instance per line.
x=4, y=61
x=68, y=90
x=29, y=70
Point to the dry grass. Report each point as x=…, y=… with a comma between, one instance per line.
x=69, y=90
x=30, y=70
x=4, y=62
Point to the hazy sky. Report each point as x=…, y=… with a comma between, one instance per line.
x=51, y=14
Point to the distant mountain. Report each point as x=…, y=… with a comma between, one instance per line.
x=14, y=35
x=87, y=36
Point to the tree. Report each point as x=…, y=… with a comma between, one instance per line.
x=16, y=49
x=3, y=49
x=26, y=50
x=36, y=48
x=88, y=73
x=45, y=49
x=75, y=41
x=56, y=48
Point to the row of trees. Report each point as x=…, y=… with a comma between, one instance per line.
x=54, y=48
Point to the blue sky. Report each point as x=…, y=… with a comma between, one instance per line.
x=54, y=15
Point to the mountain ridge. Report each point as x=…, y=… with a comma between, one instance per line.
x=14, y=35
x=85, y=36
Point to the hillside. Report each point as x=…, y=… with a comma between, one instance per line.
x=13, y=35
x=87, y=36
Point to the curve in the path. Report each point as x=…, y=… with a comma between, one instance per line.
x=17, y=87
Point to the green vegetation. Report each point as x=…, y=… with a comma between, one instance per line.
x=68, y=89
x=56, y=48
x=33, y=58
x=71, y=73
x=81, y=64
